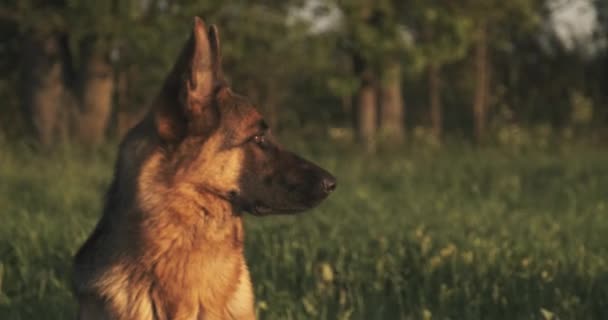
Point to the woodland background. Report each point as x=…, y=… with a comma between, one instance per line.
x=485, y=71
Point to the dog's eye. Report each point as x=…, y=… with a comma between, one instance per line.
x=259, y=139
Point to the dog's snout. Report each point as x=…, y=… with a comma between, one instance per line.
x=329, y=184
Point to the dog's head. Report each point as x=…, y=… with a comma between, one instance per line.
x=215, y=141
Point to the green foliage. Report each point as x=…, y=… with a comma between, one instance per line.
x=443, y=35
x=456, y=233
x=300, y=73
x=371, y=29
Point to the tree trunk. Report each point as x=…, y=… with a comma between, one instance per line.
x=97, y=93
x=126, y=115
x=347, y=104
x=480, y=102
x=392, y=108
x=435, y=100
x=43, y=86
x=367, y=111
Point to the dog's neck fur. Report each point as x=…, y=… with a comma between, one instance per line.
x=199, y=214
x=181, y=226
x=142, y=194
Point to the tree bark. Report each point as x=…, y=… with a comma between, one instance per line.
x=347, y=104
x=434, y=79
x=43, y=86
x=126, y=115
x=480, y=102
x=367, y=111
x=392, y=108
x=97, y=93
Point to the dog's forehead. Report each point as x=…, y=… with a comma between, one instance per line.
x=238, y=110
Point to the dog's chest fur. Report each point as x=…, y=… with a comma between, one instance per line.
x=195, y=271
x=179, y=266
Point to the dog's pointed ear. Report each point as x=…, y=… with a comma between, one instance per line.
x=187, y=104
x=214, y=39
x=203, y=71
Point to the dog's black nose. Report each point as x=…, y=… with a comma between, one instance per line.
x=329, y=184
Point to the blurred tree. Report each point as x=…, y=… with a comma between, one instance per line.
x=487, y=17
x=601, y=61
x=51, y=30
x=43, y=89
x=391, y=43
x=375, y=40
x=263, y=53
x=72, y=51
x=87, y=68
x=42, y=79
x=359, y=35
x=93, y=29
x=441, y=37
x=366, y=104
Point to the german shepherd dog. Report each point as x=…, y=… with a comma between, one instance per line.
x=170, y=242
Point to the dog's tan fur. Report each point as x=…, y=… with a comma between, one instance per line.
x=154, y=262
x=163, y=249
x=169, y=244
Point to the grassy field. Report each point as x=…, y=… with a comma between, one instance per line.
x=420, y=234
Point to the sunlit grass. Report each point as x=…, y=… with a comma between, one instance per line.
x=415, y=234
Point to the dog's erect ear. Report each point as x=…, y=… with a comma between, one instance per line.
x=187, y=104
x=214, y=39
x=203, y=69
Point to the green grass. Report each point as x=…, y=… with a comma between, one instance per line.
x=418, y=234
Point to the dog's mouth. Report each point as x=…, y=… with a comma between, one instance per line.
x=242, y=205
x=260, y=209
